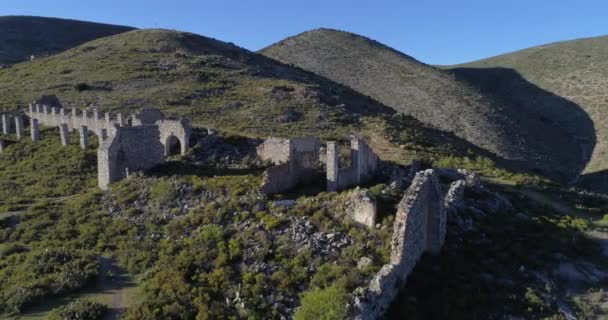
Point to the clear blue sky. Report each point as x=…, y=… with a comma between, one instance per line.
x=436, y=32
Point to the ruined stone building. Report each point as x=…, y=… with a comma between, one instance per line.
x=298, y=161
x=136, y=143
x=363, y=160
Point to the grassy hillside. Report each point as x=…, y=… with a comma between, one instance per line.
x=434, y=97
x=218, y=85
x=573, y=78
x=214, y=83
x=22, y=36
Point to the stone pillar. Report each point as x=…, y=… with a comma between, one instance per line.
x=107, y=117
x=1, y=145
x=332, y=166
x=34, y=129
x=85, y=116
x=65, y=134
x=31, y=114
x=6, y=124
x=19, y=126
x=38, y=108
x=120, y=120
x=84, y=137
x=44, y=117
x=74, y=118
x=62, y=113
x=53, y=118
x=355, y=159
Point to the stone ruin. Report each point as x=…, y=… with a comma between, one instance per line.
x=419, y=227
x=363, y=165
x=137, y=143
x=298, y=161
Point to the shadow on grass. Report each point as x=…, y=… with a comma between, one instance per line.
x=183, y=168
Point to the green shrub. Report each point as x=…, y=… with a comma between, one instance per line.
x=323, y=304
x=79, y=309
x=162, y=192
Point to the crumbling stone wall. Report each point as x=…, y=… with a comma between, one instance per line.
x=364, y=164
x=420, y=226
x=454, y=198
x=296, y=160
x=128, y=150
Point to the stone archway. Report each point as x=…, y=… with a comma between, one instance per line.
x=173, y=146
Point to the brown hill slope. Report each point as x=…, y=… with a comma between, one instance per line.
x=434, y=97
x=23, y=36
x=576, y=71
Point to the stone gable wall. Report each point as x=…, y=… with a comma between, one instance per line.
x=130, y=149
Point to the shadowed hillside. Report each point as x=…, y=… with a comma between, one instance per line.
x=21, y=37
x=435, y=97
x=576, y=71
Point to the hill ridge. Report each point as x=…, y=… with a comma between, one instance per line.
x=433, y=96
x=23, y=36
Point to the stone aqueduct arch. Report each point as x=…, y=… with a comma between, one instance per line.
x=122, y=148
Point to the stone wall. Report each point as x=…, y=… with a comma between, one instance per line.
x=73, y=118
x=130, y=149
x=171, y=129
x=296, y=162
x=275, y=150
x=364, y=164
x=420, y=226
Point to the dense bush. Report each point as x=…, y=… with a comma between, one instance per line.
x=34, y=275
x=79, y=310
x=323, y=304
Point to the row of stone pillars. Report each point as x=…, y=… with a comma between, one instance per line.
x=35, y=131
x=7, y=126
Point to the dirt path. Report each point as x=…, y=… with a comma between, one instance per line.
x=113, y=280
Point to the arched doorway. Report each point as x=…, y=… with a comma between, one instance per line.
x=172, y=146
